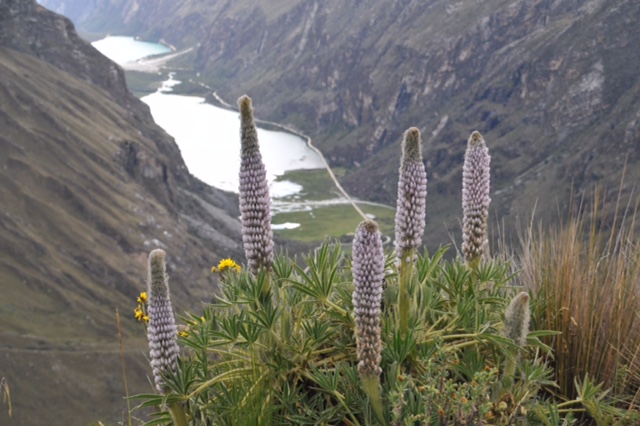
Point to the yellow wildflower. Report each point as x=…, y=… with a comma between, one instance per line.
x=143, y=297
x=214, y=269
x=145, y=318
x=138, y=313
x=226, y=264
x=184, y=333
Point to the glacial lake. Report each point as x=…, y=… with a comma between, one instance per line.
x=124, y=49
x=209, y=136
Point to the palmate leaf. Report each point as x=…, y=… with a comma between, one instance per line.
x=496, y=272
x=398, y=348
x=533, y=339
x=150, y=400
x=181, y=380
x=265, y=317
x=250, y=333
x=230, y=375
x=161, y=418
x=318, y=279
x=453, y=281
x=283, y=267
x=228, y=328
x=427, y=266
x=328, y=382
x=317, y=332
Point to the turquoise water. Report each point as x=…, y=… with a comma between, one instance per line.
x=124, y=49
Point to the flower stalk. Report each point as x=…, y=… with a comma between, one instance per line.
x=255, y=202
x=475, y=199
x=410, y=217
x=516, y=327
x=162, y=330
x=368, y=274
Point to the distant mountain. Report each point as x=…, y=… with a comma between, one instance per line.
x=552, y=84
x=88, y=186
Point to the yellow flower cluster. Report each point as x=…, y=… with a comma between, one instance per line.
x=140, y=312
x=226, y=264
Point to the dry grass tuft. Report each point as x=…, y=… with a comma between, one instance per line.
x=586, y=275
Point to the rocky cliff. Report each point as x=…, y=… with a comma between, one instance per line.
x=552, y=84
x=88, y=186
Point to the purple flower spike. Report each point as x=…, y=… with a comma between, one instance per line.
x=412, y=195
x=368, y=274
x=475, y=198
x=255, y=203
x=162, y=329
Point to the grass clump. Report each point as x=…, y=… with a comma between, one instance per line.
x=585, y=273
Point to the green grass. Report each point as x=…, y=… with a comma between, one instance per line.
x=316, y=183
x=333, y=221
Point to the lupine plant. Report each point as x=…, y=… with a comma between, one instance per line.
x=324, y=346
x=475, y=199
x=410, y=216
x=162, y=331
x=255, y=203
x=368, y=273
x=516, y=327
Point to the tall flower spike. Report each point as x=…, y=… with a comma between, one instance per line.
x=412, y=194
x=410, y=212
x=475, y=198
x=368, y=273
x=255, y=203
x=162, y=327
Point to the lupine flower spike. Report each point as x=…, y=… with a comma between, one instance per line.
x=162, y=327
x=255, y=203
x=475, y=199
x=368, y=274
x=516, y=327
x=410, y=216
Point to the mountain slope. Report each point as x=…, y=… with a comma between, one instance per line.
x=88, y=186
x=551, y=84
